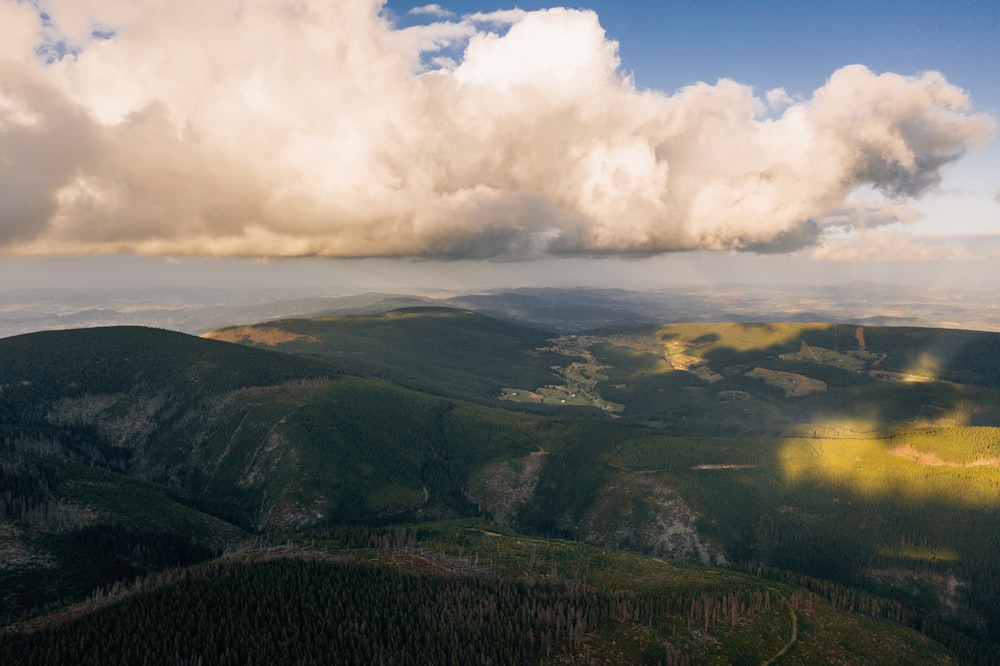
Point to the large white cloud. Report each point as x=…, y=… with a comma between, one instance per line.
x=272, y=128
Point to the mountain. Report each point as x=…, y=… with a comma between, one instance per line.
x=554, y=310
x=551, y=309
x=854, y=460
x=447, y=351
x=462, y=592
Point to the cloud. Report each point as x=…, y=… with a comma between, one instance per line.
x=996, y=197
x=778, y=98
x=498, y=17
x=867, y=214
x=264, y=128
x=891, y=245
x=432, y=10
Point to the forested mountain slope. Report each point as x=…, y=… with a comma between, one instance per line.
x=460, y=592
x=454, y=352
x=864, y=456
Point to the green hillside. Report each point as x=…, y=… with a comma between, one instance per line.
x=56, y=364
x=453, y=352
x=463, y=593
x=68, y=529
x=729, y=377
x=261, y=438
x=865, y=458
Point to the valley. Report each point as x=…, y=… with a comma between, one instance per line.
x=853, y=469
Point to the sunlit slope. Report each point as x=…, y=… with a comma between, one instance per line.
x=494, y=597
x=724, y=377
x=449, y=351
x=733, y=376
x=852, y=453
x=908, y=514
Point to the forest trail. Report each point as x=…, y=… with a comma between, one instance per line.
x=795, y=634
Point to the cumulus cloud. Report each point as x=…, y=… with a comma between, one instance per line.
x=280, y=128
x=498, y=17
x=778, y=98
x=432, y=10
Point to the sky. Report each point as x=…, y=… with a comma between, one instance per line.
x=365, y=144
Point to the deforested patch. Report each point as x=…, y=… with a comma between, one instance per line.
x=932, y=459
x=640, y=512
x=264, y=459
x=294, y=515
x=121, y=419
x=501, y=489
x=16, y=550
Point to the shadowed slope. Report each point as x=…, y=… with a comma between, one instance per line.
x=454, y=352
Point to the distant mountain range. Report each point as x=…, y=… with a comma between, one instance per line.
x=561, y=310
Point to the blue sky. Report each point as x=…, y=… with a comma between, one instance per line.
x=797, y=45
x=791, y=44
x=179, y=142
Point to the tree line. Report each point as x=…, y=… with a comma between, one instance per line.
x=300, y=610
